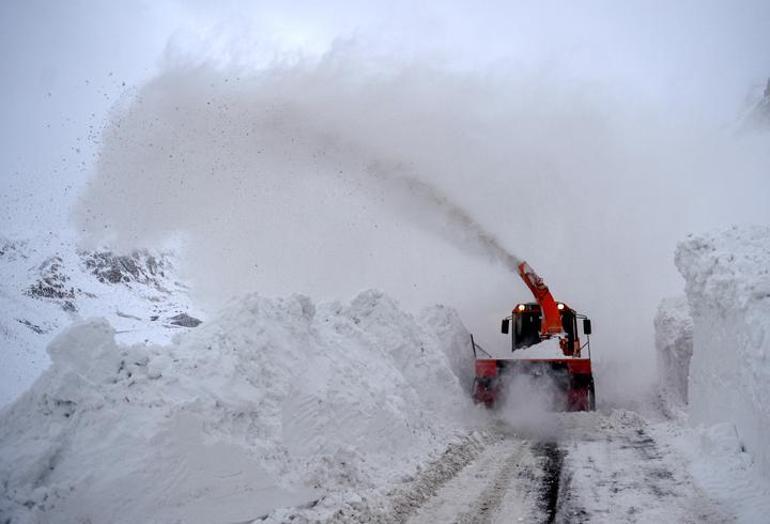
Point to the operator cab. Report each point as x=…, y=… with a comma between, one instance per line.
x=527, y=322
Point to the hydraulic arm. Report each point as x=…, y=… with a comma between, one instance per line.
x=551, y=323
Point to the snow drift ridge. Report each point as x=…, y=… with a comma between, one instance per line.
x=273, y=403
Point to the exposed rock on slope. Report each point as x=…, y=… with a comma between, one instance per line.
x=759, y=116
x=140, y=267
x=46, y=283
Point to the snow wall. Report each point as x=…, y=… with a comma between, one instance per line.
x=673, y=345
x=728, y=289
x=274, y=403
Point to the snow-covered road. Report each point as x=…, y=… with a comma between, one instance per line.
x=615, y=471
x=503, y=481
x=590, y=467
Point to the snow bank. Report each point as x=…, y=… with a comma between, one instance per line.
x=673, y=344
x=443, y=321
x=271, y=404
x=720, y=467
x=728, y=288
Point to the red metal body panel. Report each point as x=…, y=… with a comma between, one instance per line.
x=579, y=366
x=576, y=366
x=576, y=381
x=486, y=368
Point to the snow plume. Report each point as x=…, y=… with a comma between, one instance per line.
x=346, y=173
x=529, y=405
x=204, y=146
x=462, y=229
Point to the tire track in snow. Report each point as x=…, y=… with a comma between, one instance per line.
x=604, y=468
x=487, y=506
x=403, y=501
x=500, y=486
x=553, y=460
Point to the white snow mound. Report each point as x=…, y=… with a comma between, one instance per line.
x=673, y=345
x=273, y=403
x=728, y=289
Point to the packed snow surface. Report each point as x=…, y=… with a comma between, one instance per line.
x=728, y=289
x=273, y=403
x=720, y=467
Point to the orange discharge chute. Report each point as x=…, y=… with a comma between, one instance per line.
x=551, y=323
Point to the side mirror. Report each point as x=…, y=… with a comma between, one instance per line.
x=504, y=326
x=587, y=326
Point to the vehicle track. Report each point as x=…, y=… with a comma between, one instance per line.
x=505, y=472
x=403, y=501
x=552, y=462
x=513, y=470
x=603, y=468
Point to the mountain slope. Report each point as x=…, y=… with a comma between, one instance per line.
x=46, y=283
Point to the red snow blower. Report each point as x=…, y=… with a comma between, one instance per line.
x=568, y=375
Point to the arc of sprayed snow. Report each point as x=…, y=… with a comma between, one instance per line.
x=458, y=217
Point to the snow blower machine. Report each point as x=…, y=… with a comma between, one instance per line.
x=537, y=328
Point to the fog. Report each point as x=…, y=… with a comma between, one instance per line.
x=333, y=175
x=326, y=148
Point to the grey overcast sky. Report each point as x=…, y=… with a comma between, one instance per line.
x=63, y=64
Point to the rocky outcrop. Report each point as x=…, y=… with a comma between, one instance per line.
x=758, y=117
x=139, y=266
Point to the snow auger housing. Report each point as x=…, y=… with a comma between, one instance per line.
x=569, y=375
